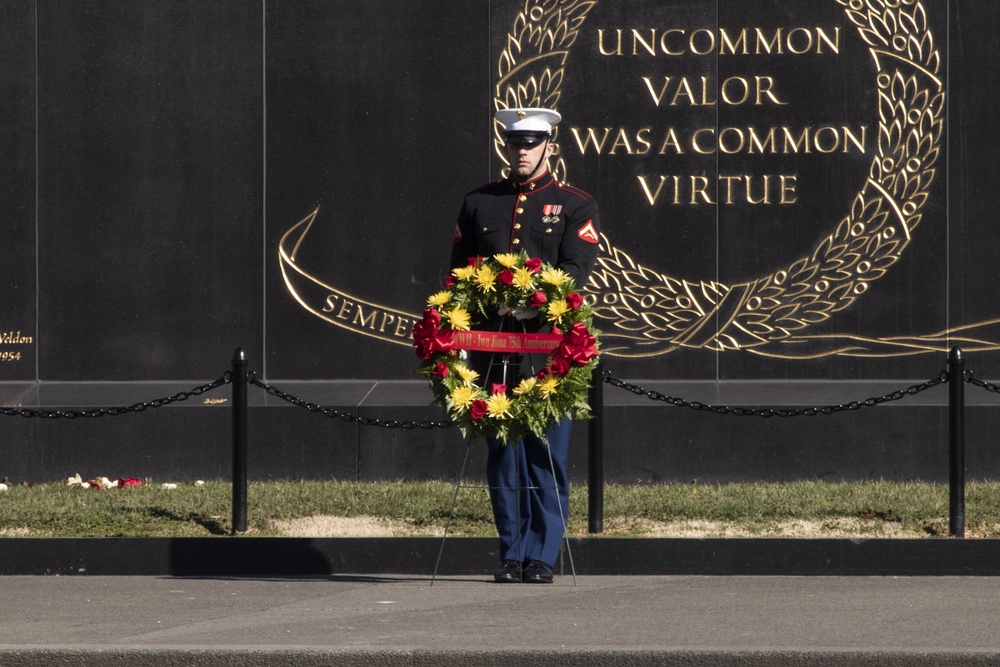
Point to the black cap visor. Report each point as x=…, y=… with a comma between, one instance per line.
x=525, y=137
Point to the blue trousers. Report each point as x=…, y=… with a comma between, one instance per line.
x=530, y=505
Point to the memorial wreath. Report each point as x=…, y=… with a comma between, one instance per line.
x=519, y=288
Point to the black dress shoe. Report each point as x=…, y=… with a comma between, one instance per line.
x=509, y=573
x=537, y=572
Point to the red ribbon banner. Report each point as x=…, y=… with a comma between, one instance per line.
x=505, y=341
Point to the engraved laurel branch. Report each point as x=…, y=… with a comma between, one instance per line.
x=649, y=313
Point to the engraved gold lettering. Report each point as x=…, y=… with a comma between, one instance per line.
x=696, y=141
x=13, y=338
x=788, y=194
x=739, y=46
x=699, y=185
x=821, y=37
x=344, y=307
x=735, y=90
x=600, y=44
x=730, y=140
x=704, y=93
x=727, y=90
x=761, y=146
x=774, y=44
x=727, y=182
x=826, y=139
x=683, y=89
x=642, y=138
x=731, y=189
x=671, y=141
x=649, y=46
x=806, y=45
x=764, y=84
x=656, y=96
x=387, y=318
x=621, y=140
x=796, y=144
x=852, y=138
x=726, y=138
x=704, y=41
x=402, y=328
x=359, y=318
x=331, y=300
x=663, y=41
x=652, y=196
x=764, y=199
x=708, y=38
x=591, y=138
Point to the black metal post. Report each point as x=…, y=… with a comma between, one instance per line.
x=239, y=441
x=956, y=443
x=595, y=453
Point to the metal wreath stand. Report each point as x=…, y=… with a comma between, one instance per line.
x=517, y=488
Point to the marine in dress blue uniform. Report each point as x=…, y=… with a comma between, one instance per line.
x=557, y=223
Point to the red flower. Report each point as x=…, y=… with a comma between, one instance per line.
x=574, y=300
x=474, y=261
x=497, y=388
x=449, y=281
x=129, y=481
x=432, y=316
x=506, y=277
x=534, y=265
x=560, y=366
x=478, y=409
x=537, y=299
x=441, y=370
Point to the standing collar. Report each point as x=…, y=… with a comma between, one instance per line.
x=534, y=185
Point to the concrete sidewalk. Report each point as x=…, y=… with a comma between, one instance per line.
x=404, y=620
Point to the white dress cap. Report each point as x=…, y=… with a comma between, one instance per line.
x=527, y=124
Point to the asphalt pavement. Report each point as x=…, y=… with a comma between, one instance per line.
x=468, y=620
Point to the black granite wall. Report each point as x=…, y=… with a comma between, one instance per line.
x=796, y=198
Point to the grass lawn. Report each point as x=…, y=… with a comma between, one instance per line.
x=333, y=508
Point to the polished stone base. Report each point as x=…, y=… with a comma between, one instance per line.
x=255, y=556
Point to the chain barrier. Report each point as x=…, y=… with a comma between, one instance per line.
x=776, y=412
x=227, y=378
x=427, y=424
x=982, y=384
x=344, y=416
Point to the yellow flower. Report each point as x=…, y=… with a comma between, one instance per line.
x=459, y=318
x=461, y=396
x=548, y=385
x=525, y=386
x=439, y=299
x=506, y=260
x=554, y=277
x=557, y=309
x=498, y=406
x=467, y=374
x=524, y=279
x=485, y=278
x=464, y=272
